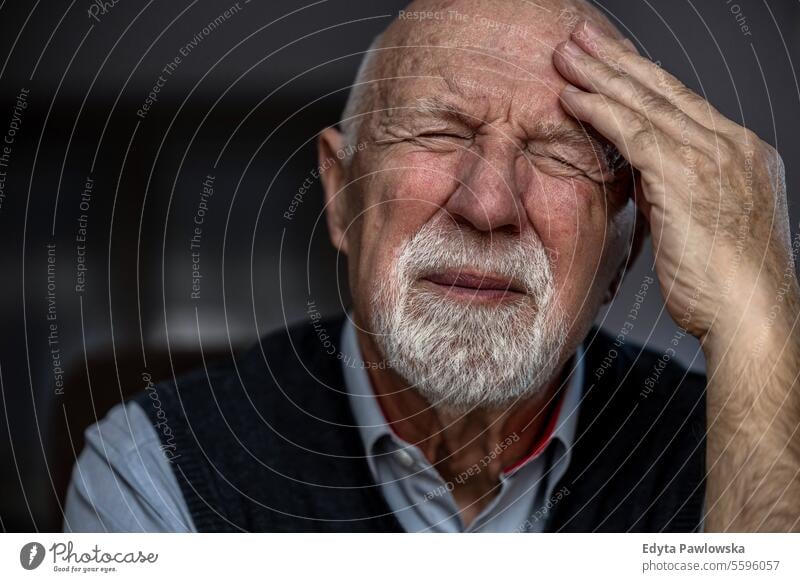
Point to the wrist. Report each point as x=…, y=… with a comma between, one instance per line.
x=757, y=319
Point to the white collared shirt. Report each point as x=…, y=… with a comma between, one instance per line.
x=416, y=493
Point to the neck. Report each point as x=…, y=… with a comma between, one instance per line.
x=454, y=441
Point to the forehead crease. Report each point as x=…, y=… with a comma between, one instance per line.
x=474, y=77
x=531, y=63
x=480, y=77
x=470, y=74
x=541, y=116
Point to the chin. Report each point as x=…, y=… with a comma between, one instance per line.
x=463, y=354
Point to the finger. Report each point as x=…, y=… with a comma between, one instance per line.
x=615, y=53
x=629, y=43
x=583, y=70
x=647, y=148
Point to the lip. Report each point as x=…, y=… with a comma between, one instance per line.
x=474, y=285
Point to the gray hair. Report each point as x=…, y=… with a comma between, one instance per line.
x=350, y=120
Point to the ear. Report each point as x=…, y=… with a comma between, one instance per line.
x=330, y=146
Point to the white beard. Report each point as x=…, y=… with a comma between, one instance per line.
x=461, y=355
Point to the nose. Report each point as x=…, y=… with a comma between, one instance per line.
x=488, y=197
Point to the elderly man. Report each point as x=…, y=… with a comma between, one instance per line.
x=496, y=169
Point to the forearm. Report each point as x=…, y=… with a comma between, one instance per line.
x=753, y=440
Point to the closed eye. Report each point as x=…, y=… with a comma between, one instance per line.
x=442, y=141
x=564, y=162
x=444, y=135
x=552, y=159
x=559, y=166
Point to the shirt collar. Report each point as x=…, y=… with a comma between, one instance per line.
x=373, y=426
x=369, y=417
x=563, y=424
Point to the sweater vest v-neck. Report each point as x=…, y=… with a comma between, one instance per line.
x=269, y=443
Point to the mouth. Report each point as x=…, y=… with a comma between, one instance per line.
x=473, y=285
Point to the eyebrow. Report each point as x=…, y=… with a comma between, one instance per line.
x=553, y=132
x=566, y=134
x=434, y=104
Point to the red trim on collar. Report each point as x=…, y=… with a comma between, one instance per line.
x=540, y=444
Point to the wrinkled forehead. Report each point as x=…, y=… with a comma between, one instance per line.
x=501, y=25
x=470, y=72
x=479, y=51
x=455, y=40
x=477, y=85
x=481, y=24
x=527, y=29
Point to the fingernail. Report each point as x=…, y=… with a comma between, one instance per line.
x=571, y=49
x=568, y=88
x=592, y=30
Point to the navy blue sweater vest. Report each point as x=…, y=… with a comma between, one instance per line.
x=268, y=443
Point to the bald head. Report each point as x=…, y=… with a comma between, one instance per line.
x=503, y=25
x=520, y=35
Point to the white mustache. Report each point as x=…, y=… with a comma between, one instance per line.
x=463, y=355
x=443, y=246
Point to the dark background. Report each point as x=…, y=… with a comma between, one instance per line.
x=244, y=106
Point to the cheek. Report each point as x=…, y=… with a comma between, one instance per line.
x=422, y=178
x=404, y=194
x=401, y=197
x=570, y=218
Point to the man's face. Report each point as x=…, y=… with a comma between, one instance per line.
x=484, y=225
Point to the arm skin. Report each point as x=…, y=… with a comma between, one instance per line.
x=714, y=197
x=753, y=441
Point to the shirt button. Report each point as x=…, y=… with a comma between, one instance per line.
x=405, y=458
